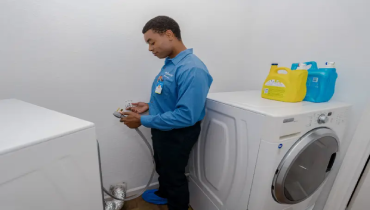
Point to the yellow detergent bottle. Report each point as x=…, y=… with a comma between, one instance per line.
x=283, y=84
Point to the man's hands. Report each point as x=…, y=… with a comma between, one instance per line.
x=139, y=108
x=132, y=120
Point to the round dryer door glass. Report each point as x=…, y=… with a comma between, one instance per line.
x=305, y=166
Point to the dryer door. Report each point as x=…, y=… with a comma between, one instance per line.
x=305, y=167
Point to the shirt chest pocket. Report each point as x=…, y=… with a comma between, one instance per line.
x=169, y=86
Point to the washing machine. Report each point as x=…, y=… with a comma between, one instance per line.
x=48, y=160
x=259, y=154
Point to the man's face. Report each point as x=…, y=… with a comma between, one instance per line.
x=159, y=44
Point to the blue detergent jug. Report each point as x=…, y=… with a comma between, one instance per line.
x=320, y=82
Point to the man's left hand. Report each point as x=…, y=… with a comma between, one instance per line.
x=132, y=120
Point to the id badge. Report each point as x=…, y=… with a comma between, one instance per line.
x=159, y=87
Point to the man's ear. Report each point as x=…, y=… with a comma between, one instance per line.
x=170, y=35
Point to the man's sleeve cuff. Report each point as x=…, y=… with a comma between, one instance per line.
x=146, y=120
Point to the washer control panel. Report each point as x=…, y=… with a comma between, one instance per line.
x=325, y=117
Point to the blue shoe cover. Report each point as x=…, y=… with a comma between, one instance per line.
x=150, y=197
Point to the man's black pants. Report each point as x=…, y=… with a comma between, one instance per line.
x=171, y=154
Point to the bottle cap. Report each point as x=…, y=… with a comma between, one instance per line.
x=330, y=64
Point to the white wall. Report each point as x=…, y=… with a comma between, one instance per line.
x=287, y=31
x=85, y=58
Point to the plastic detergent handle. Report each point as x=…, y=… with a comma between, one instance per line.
x=294, y=66
x=281, y=68
x=312, y=63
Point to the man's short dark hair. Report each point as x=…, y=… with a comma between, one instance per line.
x=161, y=24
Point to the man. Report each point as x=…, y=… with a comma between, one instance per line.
x=176, y=107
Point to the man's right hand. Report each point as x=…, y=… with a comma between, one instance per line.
x=139, y=107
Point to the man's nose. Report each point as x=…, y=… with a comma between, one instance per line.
x=150, y=48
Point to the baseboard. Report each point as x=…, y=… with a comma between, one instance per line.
x=136, y=190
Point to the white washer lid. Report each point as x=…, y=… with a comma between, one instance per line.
x=252, y=100
x=23, y=124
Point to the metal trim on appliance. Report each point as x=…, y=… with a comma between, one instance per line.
x=288, y=160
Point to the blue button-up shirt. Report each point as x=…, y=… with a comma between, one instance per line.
x=186, y=82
